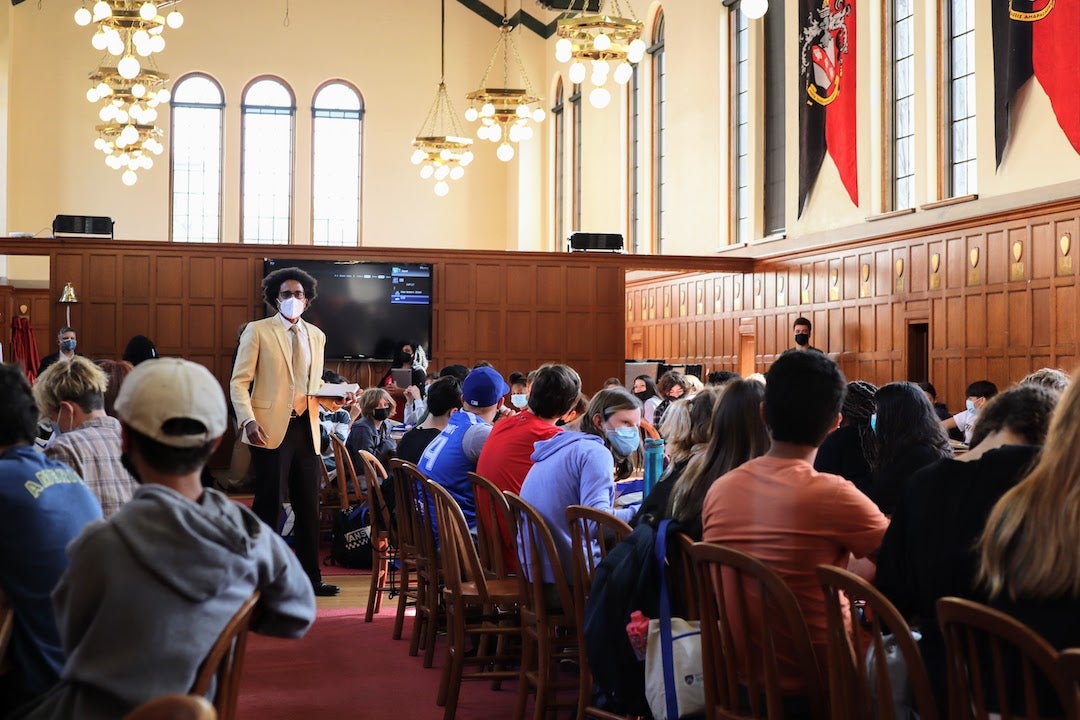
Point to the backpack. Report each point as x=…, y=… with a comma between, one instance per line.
x=350, y=544
x=626, y=580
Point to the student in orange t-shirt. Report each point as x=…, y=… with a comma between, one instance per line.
x=507, y=454
x=782, y=511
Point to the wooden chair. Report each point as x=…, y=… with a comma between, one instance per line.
x=590, y=530
x=407, y=543
x=383, y=534
x=548, y=630
x=342, y=478
x=995, y=663
x=174, y=707
x=1068, y=667
x=416, y=500
x=493, y=528
x=475, y=605
x=850, y=684
x=225, y=661
x=747, y=613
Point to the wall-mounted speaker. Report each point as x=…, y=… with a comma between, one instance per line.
x=609, y=242
x=82, y=225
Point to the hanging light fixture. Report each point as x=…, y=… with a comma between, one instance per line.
x=505, y=113
x=127, y=89
x=441, y=148
x=607, y=44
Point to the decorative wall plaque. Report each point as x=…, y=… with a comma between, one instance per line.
x=1065, y=261
x=781, y=287
x=834, y=284
x=899, y=282
x=757, y=293
x=1016, y=270
x=737, y=293
x=973, y=271
x=865, y=289
x=804, y=295
x=935, y=274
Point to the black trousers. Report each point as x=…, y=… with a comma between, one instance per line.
x=295, y=462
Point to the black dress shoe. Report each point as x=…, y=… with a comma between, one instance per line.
x=324, y=590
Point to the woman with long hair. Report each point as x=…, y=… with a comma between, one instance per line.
x=849, y=450
x=645, y=391
x=737, y=434
x=1028, y=560
x=580, y=468
x=909, y=437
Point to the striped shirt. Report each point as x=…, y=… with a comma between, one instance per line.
x=93, y=451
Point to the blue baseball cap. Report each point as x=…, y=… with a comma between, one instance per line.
x=483, y=387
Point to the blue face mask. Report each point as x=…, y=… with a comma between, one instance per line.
x=970, y=404
x=873, y=422
x=624, y=440
x=519, y=400
x=67, y=345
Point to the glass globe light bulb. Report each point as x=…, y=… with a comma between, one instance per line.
x=99, y=144
x=564, y=50
x=471, y=114
x=146, y=161
x=488, y=110
x=601, y=42
x=598, y=79
x=515, y=133
x=103, y=90
x=526, y=133
x=115, y=46
x=83, y=17
x=157, y=43
x=158, y=148
x=466, y=158
x=442, y=188
x=418, y=156
x=482, y=132
x=148, y=11
x=140, y=36
x=577, y=73
x=102, y=10
x=601, y=67
x=426, y=172
x=505, y=152
x=122, y=117
x=539, y=115
x=110, y=160
x=150, y=115
x=445, y=154
x=138, y=90
x=457, y=173
x=442, y=172
x=163, y=95
x=635, y=52
x=99, y=41
x=623, y=72
x=128, y=67
x=129, y=177
x=91, y=95
x=104, y=113
x=599, y=97
x=522, y=111
x=495, y=133
x=754, y=9
x=175, y=19
x=143, y=49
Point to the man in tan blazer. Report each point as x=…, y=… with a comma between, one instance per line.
x=279, y=364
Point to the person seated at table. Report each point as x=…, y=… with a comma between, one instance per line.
x=334, y=421
x=928, y=551
x=645, y=391
x=672, y=386
x=372, y=431
x=580, y=468
x=443, y=400
x=978, y=394
x=1028, y=563
x=849, y=449
x=571, y=419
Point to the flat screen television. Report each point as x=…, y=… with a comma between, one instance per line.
x=367, y=309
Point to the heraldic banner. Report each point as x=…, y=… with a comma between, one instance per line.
x=827, y=93
x=1037, y=37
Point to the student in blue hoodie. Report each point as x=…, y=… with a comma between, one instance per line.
x=580, y=468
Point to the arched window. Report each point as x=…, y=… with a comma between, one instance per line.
x=902, y=101
x=960, y=99
x=633, y=164
x=740, y=145
x=337, y=129
x=268, y=112
x=575, y=150
x=559, y=128
x=198, y=107
x=658, y=81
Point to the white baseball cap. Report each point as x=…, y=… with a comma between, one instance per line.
x=158, y=391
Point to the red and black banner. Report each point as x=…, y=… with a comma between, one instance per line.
x=827, y=96
x=1037, y=37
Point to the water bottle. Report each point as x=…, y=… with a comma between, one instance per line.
x=637, y=630
x=654, y=463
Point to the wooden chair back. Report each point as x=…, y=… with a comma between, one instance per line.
x=460, y=559
x=592, y=531
x=1068, y=666
x=855, y=693
x=748, y=614
x=346, y=473
x=996, y=664
x=403, y=519
x=225, y=661
x=382, y=525
x=492, y=526
x=535, y=547
x=683, y=578
x=416, y=502
x=174, y=707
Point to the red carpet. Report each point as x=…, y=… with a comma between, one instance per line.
x=346, y=668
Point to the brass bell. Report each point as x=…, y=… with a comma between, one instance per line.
x=68, y=296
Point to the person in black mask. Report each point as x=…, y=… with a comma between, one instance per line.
x=644, y=389
x=802, y=328
x=371, y=431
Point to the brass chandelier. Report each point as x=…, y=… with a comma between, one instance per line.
x=127, y=89
x=505, y=112
x=440, y=147
x=599, y=41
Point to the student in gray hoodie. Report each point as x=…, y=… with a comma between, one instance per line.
x=148, y=592
x=580, y=468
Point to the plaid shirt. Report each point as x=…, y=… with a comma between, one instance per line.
x=93, y=451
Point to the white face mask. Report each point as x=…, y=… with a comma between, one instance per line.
x=291, y=308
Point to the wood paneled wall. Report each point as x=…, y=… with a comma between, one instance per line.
x=996, y=299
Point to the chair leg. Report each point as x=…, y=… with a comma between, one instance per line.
x=418, y=628
x=455, y=660
x=543, y=672
x=584, y=687
x=403, y=601
x=432, y=626
x=378, y=578
x=528, y=655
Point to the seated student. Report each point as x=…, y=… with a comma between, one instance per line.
x=672, y=386
x=334, y=421
x=645, y=391
x=453, y=454
x=1028, y=563
x=721, y=377
x=371, y=432
x=519, y=390
x=929, y=549
x=782, y=511
x=978, y=393
x=507, y=454
x=72, y=395
x=571, y=419
x=1050, y=378
x=849, y=450
x=148, y=591
x=580, y=468
x=443, y=400
x=43, y=506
